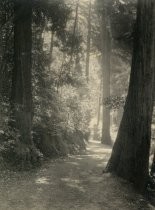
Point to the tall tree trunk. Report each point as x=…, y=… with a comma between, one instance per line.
x=98, y=111
x=21, y=97
x=74, y=31
x=88, y=43
x=106, y=52
x=21, y=82
x=25, y=153
x=77, y=59
x=130, y=155
x=99, y=105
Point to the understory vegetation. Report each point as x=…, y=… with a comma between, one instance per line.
x=75, y=70
x=57, y=93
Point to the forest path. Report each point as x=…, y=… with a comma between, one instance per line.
x=73, y=183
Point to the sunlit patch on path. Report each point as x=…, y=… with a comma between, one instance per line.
x=42, y=180
x=73, y=183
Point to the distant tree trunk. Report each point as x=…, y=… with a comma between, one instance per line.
x=99, y=105
x=74, y=31
x=51, y=48
x=130, y=155
x=106, y=52
x=77, y=59
x=88, y=43
x=99, y=110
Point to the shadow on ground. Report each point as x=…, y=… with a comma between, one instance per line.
x=73, y=183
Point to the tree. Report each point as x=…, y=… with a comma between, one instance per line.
x=74, y=32
x=88, y=42
x=106, y=53
x=43, y=121
x=130, y=155
x=55, y=123
x=21, y=97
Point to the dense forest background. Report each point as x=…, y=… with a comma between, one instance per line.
x=75, y=70
x=52, y=60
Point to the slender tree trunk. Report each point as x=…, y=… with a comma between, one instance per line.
x=130, y=155
x=21, y=81
x=99, y=105
x=106, y=52
x=74, y=31
x=51, y=49
x=99, y=111
x=88, y=42
x=77, y=59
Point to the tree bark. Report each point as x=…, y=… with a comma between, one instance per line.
x=106, y=53
x=153, y=166
x=74, y=31
x=21, y=77
x=88, y=43
x=130, y=155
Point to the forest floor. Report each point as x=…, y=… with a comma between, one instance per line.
x=73, y=183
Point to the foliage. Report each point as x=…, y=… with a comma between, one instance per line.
x=114, y=102
x=60, y=116
x=61, y=119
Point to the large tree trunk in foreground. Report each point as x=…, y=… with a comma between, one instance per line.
x=130, y=155
x=21, y=82
x=21, y=78
x=106, y=52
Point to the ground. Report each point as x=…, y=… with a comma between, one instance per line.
x=73, y=183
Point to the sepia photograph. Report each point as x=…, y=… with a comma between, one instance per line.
x=77, y=104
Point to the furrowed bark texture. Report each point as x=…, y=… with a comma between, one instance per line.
x=130, y=155
x=21, y=76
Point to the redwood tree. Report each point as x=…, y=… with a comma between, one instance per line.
x=21, y=97
x=130, y=155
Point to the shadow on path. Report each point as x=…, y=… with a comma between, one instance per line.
x=73, y=183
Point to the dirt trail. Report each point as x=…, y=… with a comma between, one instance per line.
x=74, y=183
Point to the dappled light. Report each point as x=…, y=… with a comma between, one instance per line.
x=73, y=183
x=59, y=184
x=77, y=111
x=42, y=180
